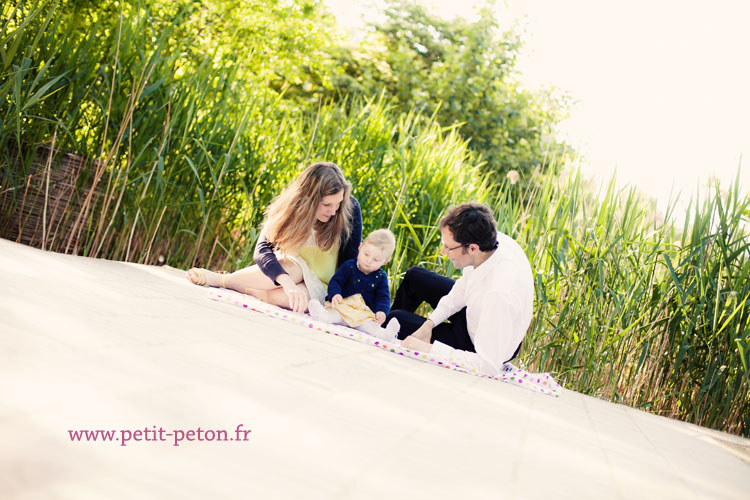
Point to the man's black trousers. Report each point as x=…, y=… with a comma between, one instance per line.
x=420, y=285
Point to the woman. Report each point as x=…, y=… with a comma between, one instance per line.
x=312, y=227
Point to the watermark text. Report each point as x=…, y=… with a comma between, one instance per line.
x=160, y=435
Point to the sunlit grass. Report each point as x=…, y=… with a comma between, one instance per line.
x=631, y=309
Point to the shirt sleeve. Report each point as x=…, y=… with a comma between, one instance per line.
x=339, y=279
x=494, y=341
x=265, y=258
x=450, y=304
x=382, y=294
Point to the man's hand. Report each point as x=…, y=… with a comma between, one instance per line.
x=380, y=317
x=424, y=332
x=415, y=344
x=336, y=299
x=420, y=339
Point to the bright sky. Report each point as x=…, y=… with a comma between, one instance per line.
x=662, y=86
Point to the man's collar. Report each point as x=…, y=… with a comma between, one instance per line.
x=493, y=255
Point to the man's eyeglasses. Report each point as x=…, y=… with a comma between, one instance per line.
x=449, y=249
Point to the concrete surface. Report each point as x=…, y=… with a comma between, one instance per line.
x=92, y=344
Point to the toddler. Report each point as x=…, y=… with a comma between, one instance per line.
x=358, y=292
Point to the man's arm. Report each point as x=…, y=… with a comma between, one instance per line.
x=451, y=303
x=448, y=305
x=496, y=337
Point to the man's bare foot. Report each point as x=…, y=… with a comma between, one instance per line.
x=204, y=277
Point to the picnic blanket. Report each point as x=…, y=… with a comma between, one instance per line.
x=537, y=382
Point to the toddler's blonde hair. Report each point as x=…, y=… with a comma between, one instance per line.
x=383, y=239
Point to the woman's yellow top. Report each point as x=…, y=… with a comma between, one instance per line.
x=322, y=263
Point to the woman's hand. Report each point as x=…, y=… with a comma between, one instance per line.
x=297, y=298
x=297, y=295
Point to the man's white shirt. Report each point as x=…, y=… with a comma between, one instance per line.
x=499, y=299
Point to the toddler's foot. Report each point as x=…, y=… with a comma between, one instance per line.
x=317, y=311
x=388, y=333
x=392, y=328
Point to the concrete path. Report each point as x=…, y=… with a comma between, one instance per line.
x=92, y=345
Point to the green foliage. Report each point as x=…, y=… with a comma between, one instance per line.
x=282, y=46
x=462, y=73
x=184, y=153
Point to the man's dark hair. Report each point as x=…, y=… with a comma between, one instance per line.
x=472, y=223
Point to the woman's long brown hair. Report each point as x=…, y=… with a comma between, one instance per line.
x=291, y=216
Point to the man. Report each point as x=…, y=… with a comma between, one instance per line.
x=489, y=307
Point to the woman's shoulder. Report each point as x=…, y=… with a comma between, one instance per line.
x=355, y=204
x=353, y=233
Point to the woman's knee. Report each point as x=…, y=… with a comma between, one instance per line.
x=292, y=269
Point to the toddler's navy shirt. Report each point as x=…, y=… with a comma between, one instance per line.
x=349, y=280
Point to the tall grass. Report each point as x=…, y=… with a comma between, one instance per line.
x=183, y=157
x=630, y=308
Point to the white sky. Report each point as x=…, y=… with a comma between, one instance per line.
x=662, y=86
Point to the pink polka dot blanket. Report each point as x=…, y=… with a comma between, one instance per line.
x=537, y=382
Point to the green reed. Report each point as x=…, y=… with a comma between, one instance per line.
x=184, y=156
x=630, y=309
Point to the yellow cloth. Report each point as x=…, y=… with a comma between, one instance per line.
x=353, y=310
x=323, y=264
